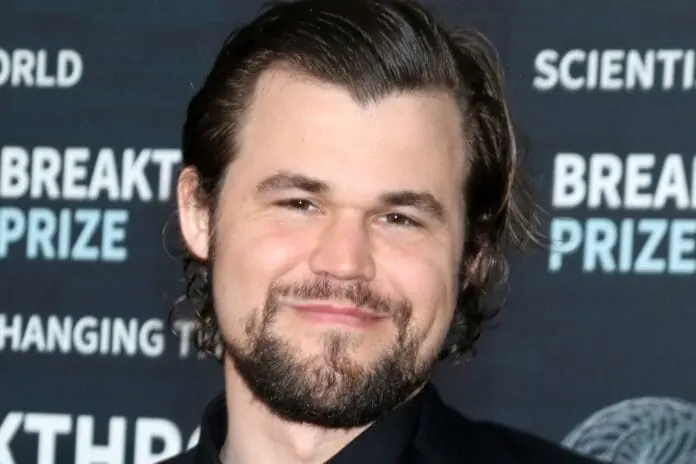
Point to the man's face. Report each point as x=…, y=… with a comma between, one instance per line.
x=336, y=247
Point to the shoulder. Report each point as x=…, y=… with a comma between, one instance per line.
x=449, y=436
x=187, y=457
x=526, y=447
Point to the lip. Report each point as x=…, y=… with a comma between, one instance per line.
x=327, y=313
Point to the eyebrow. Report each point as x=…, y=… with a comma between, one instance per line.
x=291, y=181
x=423, y=201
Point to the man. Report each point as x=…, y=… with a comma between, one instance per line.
x=348, y=189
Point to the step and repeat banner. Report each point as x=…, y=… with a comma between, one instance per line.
x=596, y=349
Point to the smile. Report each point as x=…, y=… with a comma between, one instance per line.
x=334, y=314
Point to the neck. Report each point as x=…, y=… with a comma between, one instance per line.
x=256, y=435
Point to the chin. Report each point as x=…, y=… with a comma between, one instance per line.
x=353, y=348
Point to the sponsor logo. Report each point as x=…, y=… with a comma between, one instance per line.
x=151, y=439
x=614, y=70
x=40, y=68
x=621, y=199
x=93, y=336
x=47, y=175
x=639, y=431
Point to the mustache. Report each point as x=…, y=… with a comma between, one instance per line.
x=360, y=294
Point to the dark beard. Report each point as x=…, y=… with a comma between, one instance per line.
x=329, y=390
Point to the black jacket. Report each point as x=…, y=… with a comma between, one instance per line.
x=424, y=431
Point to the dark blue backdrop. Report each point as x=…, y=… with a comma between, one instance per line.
x=92, y=96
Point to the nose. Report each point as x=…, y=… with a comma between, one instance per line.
x=343, y=250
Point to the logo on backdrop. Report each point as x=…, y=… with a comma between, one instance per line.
x=74, y=177
x=153, y=439
x=40, y=68
x=94, y=336
x=615, y=70
x=637, y=186
x=639, y=431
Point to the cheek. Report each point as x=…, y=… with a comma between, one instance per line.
x=425, y=275
x=247, y=261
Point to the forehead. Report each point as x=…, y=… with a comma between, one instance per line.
x=404, y=140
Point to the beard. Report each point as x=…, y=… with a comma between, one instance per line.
x=329, y=390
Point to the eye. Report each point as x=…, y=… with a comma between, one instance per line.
x=296, y=203
x=401, y=220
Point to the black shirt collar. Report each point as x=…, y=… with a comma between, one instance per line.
x=388, y=441
x=213, y=432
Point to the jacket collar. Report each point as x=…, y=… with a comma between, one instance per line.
x=444, y=436
x=213, y=432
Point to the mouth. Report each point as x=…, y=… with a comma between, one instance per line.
x=325, y=313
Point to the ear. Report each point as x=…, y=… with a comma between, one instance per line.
x=194, y=217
